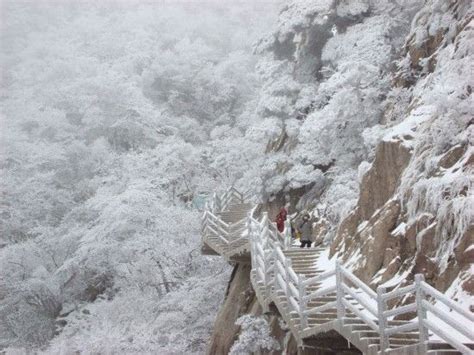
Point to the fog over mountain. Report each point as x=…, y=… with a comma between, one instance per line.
x=114, y=116
x=119, y=119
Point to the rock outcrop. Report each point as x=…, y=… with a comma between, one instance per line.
x=240, y=299
x=414, y=212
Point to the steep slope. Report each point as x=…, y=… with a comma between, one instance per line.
x=114, y=117
x=415, y=207
x=368, y=110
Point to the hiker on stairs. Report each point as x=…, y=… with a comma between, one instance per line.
x=306, y=230
x=281, y=218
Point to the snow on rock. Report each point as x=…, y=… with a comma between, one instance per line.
x=425, y=162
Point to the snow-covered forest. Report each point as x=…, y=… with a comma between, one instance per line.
x=114, y=117
x=118, y=118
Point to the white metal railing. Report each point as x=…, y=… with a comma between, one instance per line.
x=345, y=293
x=221, y=202
x=272, y=268
x=222, y=236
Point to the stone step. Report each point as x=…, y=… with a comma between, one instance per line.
x=303, y=254
x=314, y=322
x=247, y=205
x=233, y=217
x=310, y=267
x=303, y=263
x=241, y=206
x=398, y=342
x=232, y=213
x=372, y=333
x=294, y=248
x=433, y=348
x=235, y=220
x=443, y=346
x=307, y=274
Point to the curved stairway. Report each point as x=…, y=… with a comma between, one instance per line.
x=224, y=226
x=314, y=297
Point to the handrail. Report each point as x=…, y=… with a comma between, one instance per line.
x=402, y=328
x=404, y=309
x=449, y=320
x=320, y=292
x=288, y=281
x=219, y=228
x=398, y=292
x=209, y=214
x=214, y=232
x=448, y=338
x=449, y=303
x=319, y=277
x=356, y=281
x=273, y=275
x=221, y=202
x=360, y=314
x=361, y=300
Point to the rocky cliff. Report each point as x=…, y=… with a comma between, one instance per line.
x=414, y=213
x=413, y=207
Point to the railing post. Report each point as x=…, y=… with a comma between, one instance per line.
x=276, y=285
x=241, y=196
x=287, y=280
x=216, y=203
x=265, y=231
x=264, y=222
x=381, y=308
x=249, y=227
x=302, y=301
x=274, y=281
x=420, y=310
x=264, y=239
x=339, y=294
x=287, y=241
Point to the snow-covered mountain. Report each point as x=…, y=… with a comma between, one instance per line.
x=115, y=117
x=119, y=118
x=369, y=110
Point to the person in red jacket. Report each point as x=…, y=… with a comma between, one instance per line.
x=280, y=219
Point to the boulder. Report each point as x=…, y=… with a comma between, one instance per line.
x=345, y=232
x=426, y=240
x=424, y=265
x=375, y=237
x=320, y=229
x=414, y=228
x=452, y=156
x=468, y=286
x=464, y=251
x=382, y=179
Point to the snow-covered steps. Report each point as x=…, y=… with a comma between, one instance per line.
x=223, y=232
x=314, y=294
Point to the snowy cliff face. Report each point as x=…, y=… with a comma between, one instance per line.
x=114, y=115
x=368, y=106
x=374, y=108
x=415, y=208
x=329, y=70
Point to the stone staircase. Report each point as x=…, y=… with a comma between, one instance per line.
x=235, y=245
x=313, y=300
